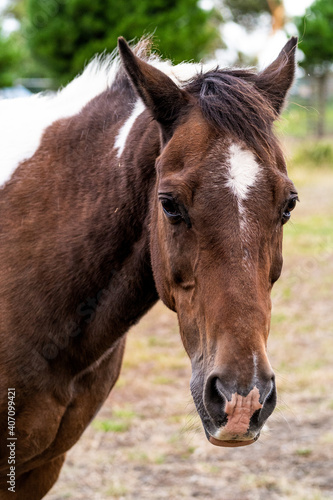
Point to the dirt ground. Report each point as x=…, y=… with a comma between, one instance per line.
x=147, y=441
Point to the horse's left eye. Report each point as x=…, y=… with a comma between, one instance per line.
x=289, y=207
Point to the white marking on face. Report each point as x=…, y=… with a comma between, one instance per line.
x=243, y=171
x=124, y=131
x=255, y=364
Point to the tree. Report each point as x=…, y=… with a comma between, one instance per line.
x=15, y=58
x=10, y=56
x=316, y=42
x=65, y=34
x=247, y=13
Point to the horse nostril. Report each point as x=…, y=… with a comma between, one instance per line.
x=268, y=401
x=268, y=396
x=272, y=395
x=217, y=392
x=215, y=401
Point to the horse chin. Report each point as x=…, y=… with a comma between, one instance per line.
x=231, y=443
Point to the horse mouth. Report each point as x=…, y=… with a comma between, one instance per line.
x=231, y=443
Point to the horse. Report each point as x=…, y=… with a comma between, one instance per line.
x=138, y=181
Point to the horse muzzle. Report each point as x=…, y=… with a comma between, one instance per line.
x=236, y=419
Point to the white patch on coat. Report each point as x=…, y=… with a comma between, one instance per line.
x=24, y=120
x=124, y=131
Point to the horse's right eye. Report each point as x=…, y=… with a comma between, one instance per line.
x=174, y=211
x=170, y=208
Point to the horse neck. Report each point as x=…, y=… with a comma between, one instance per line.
x=89, y=226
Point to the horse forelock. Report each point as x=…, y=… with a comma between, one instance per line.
x=232, y=104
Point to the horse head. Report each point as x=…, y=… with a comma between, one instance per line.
x=221, y=198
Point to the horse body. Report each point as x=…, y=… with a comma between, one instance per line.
x=115, y=209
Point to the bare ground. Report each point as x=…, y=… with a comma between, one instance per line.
x=147, y=441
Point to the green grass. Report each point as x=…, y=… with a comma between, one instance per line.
x=124, y=413
x=116, y=490
x=303, y=452
x=121, y=420
x=311, y=236
x=110, y=425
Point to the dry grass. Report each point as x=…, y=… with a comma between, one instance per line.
x=147, y=441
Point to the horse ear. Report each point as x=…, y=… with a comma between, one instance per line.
x=159, y=93
x=277, y=78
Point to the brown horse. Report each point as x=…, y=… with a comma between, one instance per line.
x=161, y=182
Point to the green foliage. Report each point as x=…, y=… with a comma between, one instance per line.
x=10, y=56
x=316, y=42
x=65, y=34
x=16, y=9
x=316, y=36
x=16, y=60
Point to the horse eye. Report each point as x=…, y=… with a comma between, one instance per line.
x=289, y=207
x=291, y=204
x=171, y=209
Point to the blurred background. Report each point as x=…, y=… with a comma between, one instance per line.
x=45, y=43
x=147, y=441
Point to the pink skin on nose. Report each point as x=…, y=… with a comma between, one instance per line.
x=240, y=410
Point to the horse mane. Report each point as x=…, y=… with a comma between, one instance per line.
x=228, y=98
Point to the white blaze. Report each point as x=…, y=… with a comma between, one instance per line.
x=242, y=175
x=243, y=171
